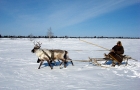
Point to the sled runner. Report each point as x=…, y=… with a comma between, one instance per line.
x=97, y=61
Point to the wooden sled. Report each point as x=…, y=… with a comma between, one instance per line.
x=96, y=61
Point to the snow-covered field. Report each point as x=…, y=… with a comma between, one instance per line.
x=18, y=69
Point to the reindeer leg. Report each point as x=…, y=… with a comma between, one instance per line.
x=38, y=60
x=72, y=63
x=61, y=64
x=59, y=61
x=65, y=62
x=49, y=64
x=40, y=64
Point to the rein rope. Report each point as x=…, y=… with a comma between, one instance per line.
x=95, y=45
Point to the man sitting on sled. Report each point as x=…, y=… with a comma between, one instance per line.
x=116, y=54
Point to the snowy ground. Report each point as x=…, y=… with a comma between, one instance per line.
x=18, y=69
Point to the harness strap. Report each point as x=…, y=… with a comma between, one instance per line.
x=46, y=54
x=52, y=54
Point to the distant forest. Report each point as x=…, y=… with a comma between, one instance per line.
x=32, y=36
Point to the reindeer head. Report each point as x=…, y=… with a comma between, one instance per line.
x=37, y=46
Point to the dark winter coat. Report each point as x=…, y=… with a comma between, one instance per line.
x=118, y=49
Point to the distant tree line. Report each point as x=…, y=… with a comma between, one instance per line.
x=32, y=36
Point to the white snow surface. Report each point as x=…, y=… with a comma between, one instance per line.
x=19, y=67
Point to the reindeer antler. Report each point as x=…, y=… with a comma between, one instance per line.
x=37, y=43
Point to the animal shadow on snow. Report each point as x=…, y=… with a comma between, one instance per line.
x=110, y=63
x=45, y=64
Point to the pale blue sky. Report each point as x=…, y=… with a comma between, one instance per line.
x=70, y=17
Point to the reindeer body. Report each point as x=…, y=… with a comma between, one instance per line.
x=50, y=55
x=58, y=54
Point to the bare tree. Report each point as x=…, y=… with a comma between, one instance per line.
x=31, y=37
x=50, y=33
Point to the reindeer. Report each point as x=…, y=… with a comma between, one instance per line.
x=50, y=55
